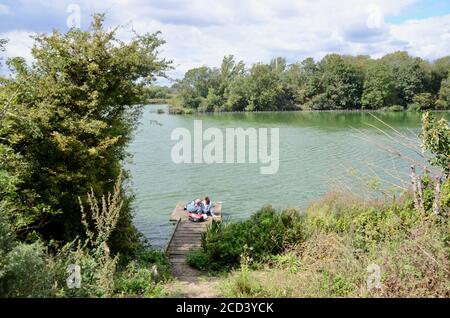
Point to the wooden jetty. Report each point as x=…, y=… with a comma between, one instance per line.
x=186, y=236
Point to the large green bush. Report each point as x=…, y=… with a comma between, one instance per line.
x=267, y=232
x=67, y=120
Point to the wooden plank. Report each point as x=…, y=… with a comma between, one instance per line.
x=191, y=231
x=183, y=234
x=183, y=251
x=180, y=247
x=187, y=234
x=186, y=240
x=172, y=236
x=183, y=244
x=179, y=253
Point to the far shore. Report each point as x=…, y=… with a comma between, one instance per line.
x=182, y=111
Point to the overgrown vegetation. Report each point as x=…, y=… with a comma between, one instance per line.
x=65, y=125
x=65, y=122
x=266, y=233
x=38, y=270
x=157, y=94
x=397, y=81
x=345, y=237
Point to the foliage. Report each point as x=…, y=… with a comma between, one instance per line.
x=378, y=88
x=198, y=259
x=70, y=118
x=443, y=101
x=424, y=101
x=439, y=72
x=143, y=276
x=267, y=232
x=412, y=76
x=156, y=94
x=30, y=270
x=335, y=82
x=436, y=138
x=345, y=236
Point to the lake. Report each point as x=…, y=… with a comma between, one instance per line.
x=319, y=152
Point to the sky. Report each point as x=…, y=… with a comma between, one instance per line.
x=201, y=32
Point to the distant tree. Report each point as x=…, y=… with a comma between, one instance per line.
x=439, y=72
x=423, y=101
x=412, y=75
x=360, y=62
x=196, y=84
x=230, y=71
x=278, y=65
x=336, y=82
x=2, y=48
x=237, y=94
x=296, y=77
x=309, y=66
x=339, y=84
x=157, y=92
x=265, y=89
x=443, y=101
x=378, y=90
x=436, y=138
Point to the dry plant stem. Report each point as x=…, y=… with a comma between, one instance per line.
x=437, y=196
x=105, y=218
x=417, y=189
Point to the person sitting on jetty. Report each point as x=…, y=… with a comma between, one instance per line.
x=207, y=207
x=195, y=206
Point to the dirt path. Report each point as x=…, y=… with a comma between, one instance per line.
x=190, y=283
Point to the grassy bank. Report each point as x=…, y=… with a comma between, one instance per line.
x=329, y=250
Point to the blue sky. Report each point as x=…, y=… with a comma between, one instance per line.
x=201, y=32
x=421, y=10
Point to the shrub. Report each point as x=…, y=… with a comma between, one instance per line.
x=138, y=280
x=344, y=238
x=424, y=101
x=266, y=233
x=395, y=108
x=22, y=271
x=199, y=259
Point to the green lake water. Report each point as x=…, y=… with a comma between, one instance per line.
x=319, y=152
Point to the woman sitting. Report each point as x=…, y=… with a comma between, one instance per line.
x=195, y=206
x=207, y=207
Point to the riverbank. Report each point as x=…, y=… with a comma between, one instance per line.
x=157, y=101
x=189, y=111
x=341, y=246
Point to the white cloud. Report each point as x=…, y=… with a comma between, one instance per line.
x=19, y=44
x=427, y=38
x=201, y=33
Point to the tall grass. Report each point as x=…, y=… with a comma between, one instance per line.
x=37, y=270
x=345, y=236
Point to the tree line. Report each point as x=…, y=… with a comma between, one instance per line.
x=397, y=81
